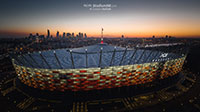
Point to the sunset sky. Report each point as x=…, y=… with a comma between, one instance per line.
x=132, y=18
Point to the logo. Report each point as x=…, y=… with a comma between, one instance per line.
x=163, y=55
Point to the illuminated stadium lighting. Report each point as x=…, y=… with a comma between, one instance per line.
x=97, y=67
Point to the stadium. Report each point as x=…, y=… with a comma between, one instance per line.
x=99, y=66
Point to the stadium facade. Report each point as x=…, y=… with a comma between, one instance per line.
x=97, y=67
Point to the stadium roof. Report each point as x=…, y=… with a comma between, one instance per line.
x=97, y=48
x=99, y=55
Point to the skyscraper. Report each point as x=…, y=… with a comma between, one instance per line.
x=48, y=33
x=30, y=35
x=68, y=35
x=80, y=35
x=85, y=36
x=57, y=34
x=122, y=36
x=37, y=34
x=63, y=34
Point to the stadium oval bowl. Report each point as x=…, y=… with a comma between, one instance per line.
x=96, y=67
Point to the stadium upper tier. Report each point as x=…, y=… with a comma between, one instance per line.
x=99, y=55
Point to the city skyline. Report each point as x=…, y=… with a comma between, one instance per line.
x=131, y=18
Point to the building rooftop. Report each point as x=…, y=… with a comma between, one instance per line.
x=99, y=55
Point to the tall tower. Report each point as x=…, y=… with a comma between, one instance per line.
x=85, y=35
x=102, y=36
x=57, y=34
x=63, y=34
x=48, y=33
x=101, y=32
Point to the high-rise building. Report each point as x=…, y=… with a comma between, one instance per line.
x=68, y=35
x=85, y=36
x=48, y=33
x=30, y=35
x=77, y=36
x=37, y=34
x=80, y=35
x=57, y=34
x=73, y=34
x=63, y=34
x=122, y=36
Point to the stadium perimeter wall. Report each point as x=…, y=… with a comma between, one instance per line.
x=97, y=78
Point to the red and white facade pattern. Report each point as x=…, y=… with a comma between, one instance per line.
x=97, y=78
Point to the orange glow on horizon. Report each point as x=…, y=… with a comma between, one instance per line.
x=110, y=34
x=145, y=29
x=131, y=19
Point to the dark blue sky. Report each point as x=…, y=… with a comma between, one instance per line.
x=25, y=16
